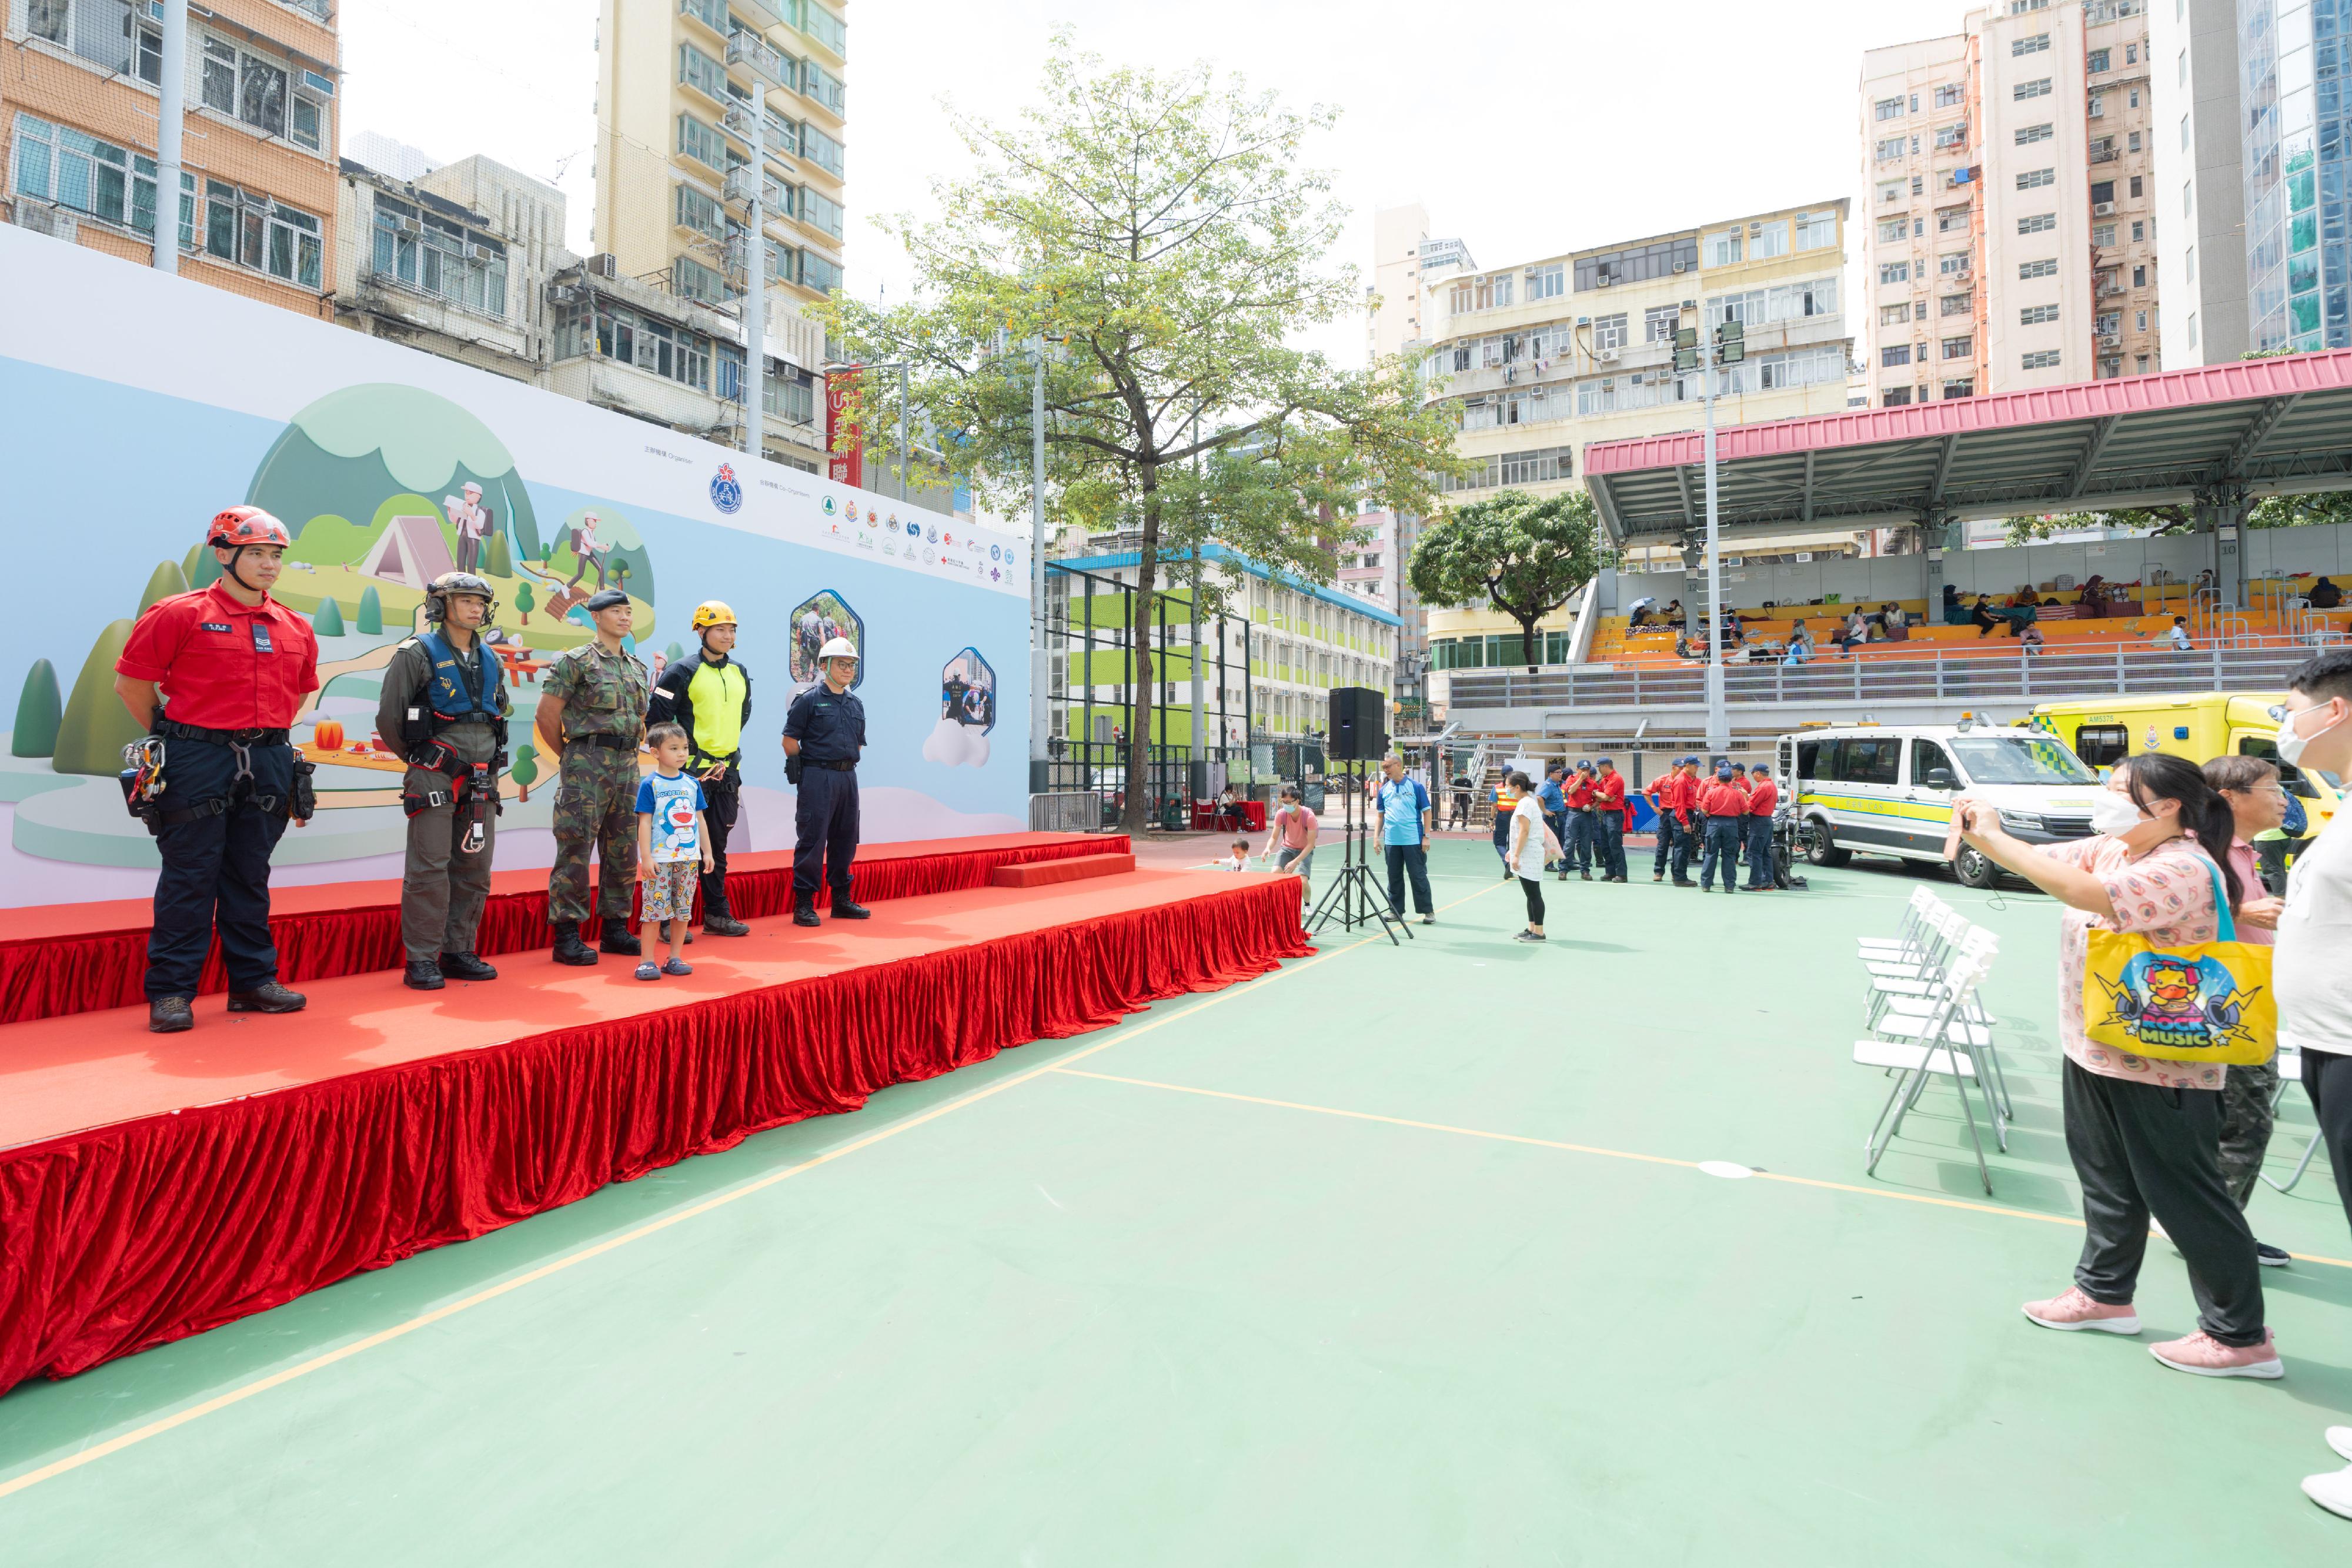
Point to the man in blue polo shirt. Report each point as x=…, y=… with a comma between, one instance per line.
x=1405, y=826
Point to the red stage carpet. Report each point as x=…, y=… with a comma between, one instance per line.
x=153, y=1187
x=67, y=958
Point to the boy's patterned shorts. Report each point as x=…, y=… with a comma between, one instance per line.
x=670, y=890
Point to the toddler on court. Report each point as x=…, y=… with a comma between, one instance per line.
x=673, y=851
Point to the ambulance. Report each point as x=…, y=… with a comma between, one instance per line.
x=2201, y=726
x=1887, y=790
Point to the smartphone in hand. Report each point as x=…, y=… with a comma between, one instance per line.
x=1959, y=820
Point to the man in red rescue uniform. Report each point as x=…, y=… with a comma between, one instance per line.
x=1609, y=820
x=1675, y=796
x=1576, y=843
x=1723, y=801
x=217, y=676
x=1763, y=795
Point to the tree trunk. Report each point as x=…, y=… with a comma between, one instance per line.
x=1137, y=815
x=1530, y=643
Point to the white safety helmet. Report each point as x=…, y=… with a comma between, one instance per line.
x=839, y=648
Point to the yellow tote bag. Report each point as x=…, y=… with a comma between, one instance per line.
x=2207, y=1001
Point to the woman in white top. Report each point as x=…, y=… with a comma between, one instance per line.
x=1526, y=851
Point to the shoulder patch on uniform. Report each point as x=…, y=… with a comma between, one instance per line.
x=408, y=643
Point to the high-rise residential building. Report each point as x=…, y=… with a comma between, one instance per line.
x=682, y=86
x=256, y=206
x=2011, y=234
x=1403, y=258
x=2201, y=149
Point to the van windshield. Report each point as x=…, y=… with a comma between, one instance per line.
x=2018, y=759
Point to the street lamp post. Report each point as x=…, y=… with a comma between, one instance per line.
x=1726, y=346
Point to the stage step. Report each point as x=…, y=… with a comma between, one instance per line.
x=1039, y=873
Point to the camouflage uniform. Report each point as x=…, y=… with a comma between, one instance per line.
x=2247, y=1093
x=596, y=789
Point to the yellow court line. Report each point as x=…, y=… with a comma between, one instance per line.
x=426, y=1320
x=1605, y=1153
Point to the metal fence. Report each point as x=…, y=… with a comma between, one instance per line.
x=1925, y=678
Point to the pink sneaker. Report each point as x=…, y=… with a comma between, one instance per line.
x=2075, y=1310
x=2208, y=1357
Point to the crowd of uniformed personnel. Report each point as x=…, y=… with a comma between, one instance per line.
x=216, y=677
x=1726, y=816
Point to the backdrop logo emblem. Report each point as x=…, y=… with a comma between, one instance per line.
x=725, y=493
x=916, y=528
x=830, y=506
x=934, y=534
x=930, y=555
x=995, y=553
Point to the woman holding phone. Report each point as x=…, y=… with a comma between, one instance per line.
x=2143, y=1132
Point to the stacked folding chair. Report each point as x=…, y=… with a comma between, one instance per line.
x=1925, y=1021
x=2290, y=1071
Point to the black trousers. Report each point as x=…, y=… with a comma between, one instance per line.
x=1722, y=843
x=2328, y=1079
x=1760, y=852
x=215, y=874
x=1533, y=887
x=2138, y=1149
x=1409, y=860
x=1608, y=842
x=825, y=823
x=722, y=799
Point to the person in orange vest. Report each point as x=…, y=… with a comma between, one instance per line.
x=1763, y=797
x=1724, y=801
x=1609, y=820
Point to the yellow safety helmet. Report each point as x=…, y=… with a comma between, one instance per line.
x=711, y=613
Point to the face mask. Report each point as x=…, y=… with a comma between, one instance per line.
x=2290, y=740
x=2114, y=813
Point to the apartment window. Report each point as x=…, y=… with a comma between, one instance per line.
x=256, y=231
x=2140, y=278
x=2037, y=44
x=1893, y=229
x=701, y=72
x=1493, y=292
x=1769, y=241
x=1546, y=282
x=2184, y=68
x=1817, y=231
x=1894, y=354
x=701, y=142
x=819, y=273
x=2184, y=133
x=2020, y=8
x=1958, y=304
x=1635, y=264
x=2035, y=179
x=2132, y=98
x=2192, y=328
x=1893, y=272
x=2131, y=142
x=1894, y=397
x=1952, y=220
x=2139, y=232
x=2035, y=314
x=1950, y=136
x=1918, y=185
x=1891, y=147
x=1887, y=109
x=2040, y=359
x=2102, y=191
x=825, y=27
x=822, y=85
x=434, y=256
x=2131, y=54
x=1720, y=249
x=1953, y=265
x=2189, y=265
x=1890, y=190
x=1893, y=315
x=2103, y=235
x=711, y=13
x=2188, y=199
x=2140, y=321
x=73, y=169
x=100, y=32
x=690, y=279
x=1608, y=332
x=2028, y=269
x=2096, y=61
x=1960, y=389
x=1918, y=228
x=2038, y=87
x=2029, y=134
x=820, y=149
x=2098, y=106
x=701, y=211
x=1959, y=347
x=2135, y=186
x=2039, y=223
x=1658, y=323
x=819, y=212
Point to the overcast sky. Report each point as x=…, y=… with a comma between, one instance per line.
x=1524, y=128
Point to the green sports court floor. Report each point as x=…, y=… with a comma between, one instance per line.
x=1396, y=1257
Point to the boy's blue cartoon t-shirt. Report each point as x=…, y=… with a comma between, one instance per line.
x=672, y=799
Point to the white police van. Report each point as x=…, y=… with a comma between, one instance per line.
x=1887, y=790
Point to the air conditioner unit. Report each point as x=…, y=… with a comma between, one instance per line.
x=2103, y=209
x=43, y=219
x=1755, y=229
x=602, y=265
x=1682, y=266
x=1602, y=281
x=1607, y=356
x=743, y=183
x=477, y=252
x=410, y=227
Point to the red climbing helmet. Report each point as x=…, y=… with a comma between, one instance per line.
x=241, y=526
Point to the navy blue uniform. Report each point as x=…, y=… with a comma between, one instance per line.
x=215, y=874
x=830, y=730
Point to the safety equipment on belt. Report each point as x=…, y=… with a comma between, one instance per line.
x=472, y=789
x=143, y=784
x=711, y=613
x=237, y=529
x=839, y=648
x=438, y=592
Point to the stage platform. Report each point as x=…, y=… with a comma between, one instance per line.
x=152, y=1187
x=60, y=959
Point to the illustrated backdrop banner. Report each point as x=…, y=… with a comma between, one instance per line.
x=139, y=404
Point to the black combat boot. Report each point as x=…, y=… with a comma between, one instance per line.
x=568, y=948
x=423, y=974
x=465, y=966
x=618, y=940
x=270, y=997
x=170, y=1015
x=805, y=910
x=844, y=909
x=722, y=923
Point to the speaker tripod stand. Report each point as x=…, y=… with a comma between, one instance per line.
x=1354, y=898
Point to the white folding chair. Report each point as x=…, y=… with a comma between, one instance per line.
x=1942, y=1043
x=2290, y=1071
x=1922, y=906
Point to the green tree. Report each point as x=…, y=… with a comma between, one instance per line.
x=1525, y=557
x=166, y=580
x=327, y=621
x=95, y=727
x=524, y=769
x=371, y=612
x=1161, y=230
x=497, y=559
x=523, y=601
x=39, y=710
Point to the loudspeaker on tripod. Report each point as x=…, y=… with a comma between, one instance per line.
x=1358, y=724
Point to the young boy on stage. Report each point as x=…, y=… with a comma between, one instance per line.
x=673, y=848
